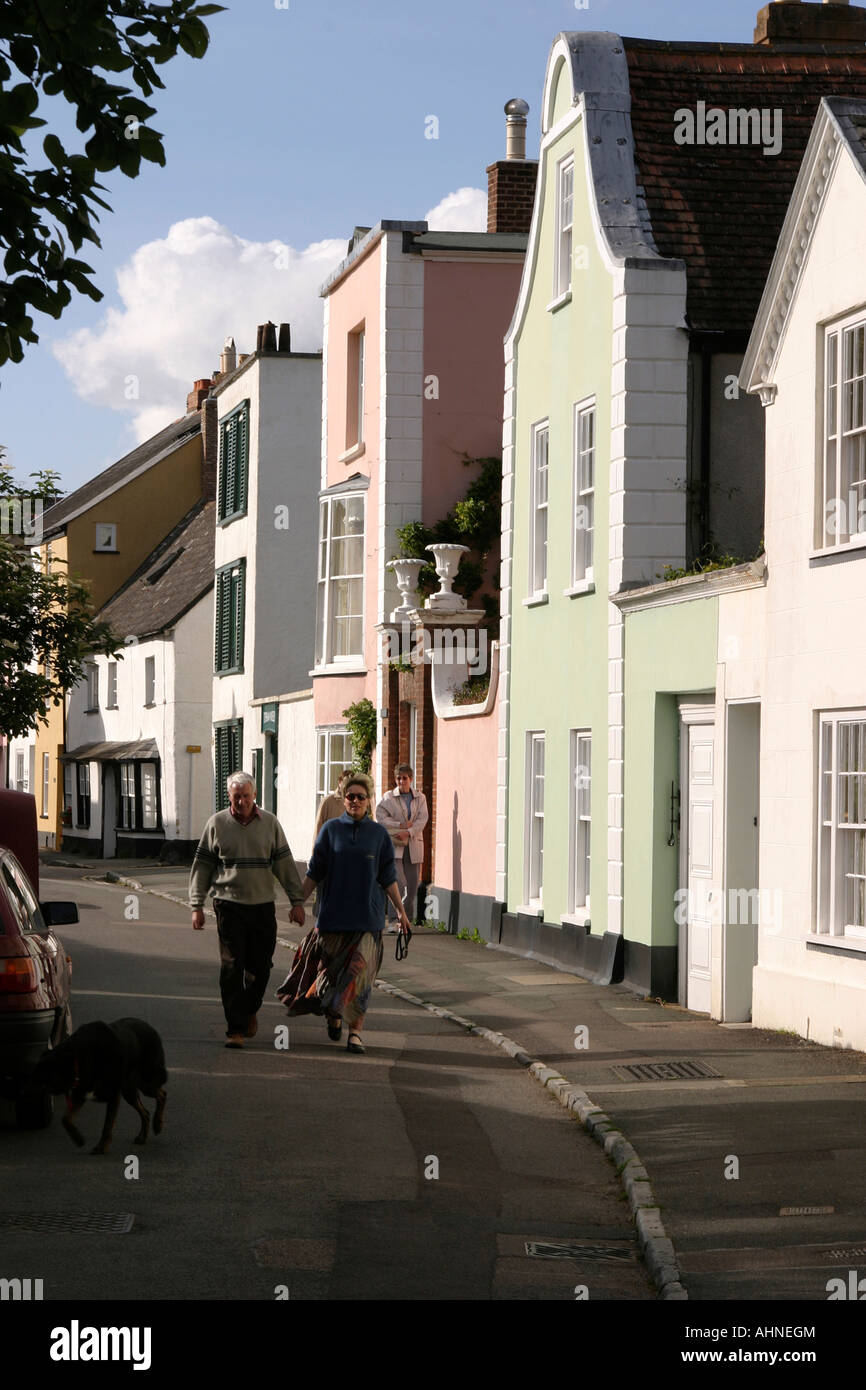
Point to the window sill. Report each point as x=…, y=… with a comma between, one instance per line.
x=856, y=945
x=353, y=453
x=148, y=704
x=234, y=516
x=530, y=910
x=94, y=709
x=337, y=669
x=579, y=918
x=584, y=586
x=230, y=671
x=844, y=549
x=559, y=301
x=536, y=600
x=111, y=707
x=106, y=550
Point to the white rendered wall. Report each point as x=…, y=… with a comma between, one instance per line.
x=816, y=644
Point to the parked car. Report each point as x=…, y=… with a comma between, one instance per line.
x=35, y=971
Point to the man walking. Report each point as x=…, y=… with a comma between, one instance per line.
x=403, y=812
x=241, y=852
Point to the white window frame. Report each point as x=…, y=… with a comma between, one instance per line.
x=538, y=509
x=580, y=824
x=46, y=783
x=22, y=783
x=362, y=350
x=534, y=828
x=564, y=226
x=841, y=843
x=111, y=694
x=150, y=680
x=326, y=617
x=91, y=675
x=842, y=497
x=329, y=765
x=105, y=537
x=584, y=435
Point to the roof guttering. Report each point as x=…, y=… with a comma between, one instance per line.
x=364, y=247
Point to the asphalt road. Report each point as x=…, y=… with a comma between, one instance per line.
x=303, y=1173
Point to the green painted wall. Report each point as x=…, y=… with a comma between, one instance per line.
x=669, y=652
x=559, y=650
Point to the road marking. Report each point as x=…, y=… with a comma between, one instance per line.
x=753, y=1257
x=184, y=998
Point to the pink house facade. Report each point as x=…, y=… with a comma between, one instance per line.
x=413, y=384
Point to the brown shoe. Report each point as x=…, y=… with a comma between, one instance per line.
x=235, y=1040
x=253, y=1026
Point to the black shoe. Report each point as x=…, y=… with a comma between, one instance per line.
x=335, y=1027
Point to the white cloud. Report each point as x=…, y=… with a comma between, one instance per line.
x=463, y=211
x=181, y=297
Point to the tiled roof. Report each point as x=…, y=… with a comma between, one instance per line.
x=145, y=455
x=173, y=577
x=720, y=208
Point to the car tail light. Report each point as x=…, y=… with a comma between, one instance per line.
x=17, y=975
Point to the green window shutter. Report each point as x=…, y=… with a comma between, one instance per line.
x=231, y=471
x=220, y=772
x=242, y=457
x=222, y=637
x=257, y=773
x=237, y=635
x=221, y=469
x=236, y=733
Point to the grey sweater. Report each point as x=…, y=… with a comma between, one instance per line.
x=240, y=862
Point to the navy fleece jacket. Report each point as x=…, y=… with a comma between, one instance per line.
x=354, y=863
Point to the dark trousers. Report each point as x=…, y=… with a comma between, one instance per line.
x=248, y=936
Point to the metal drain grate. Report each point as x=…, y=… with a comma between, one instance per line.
x=545, y=1250
x=68, y=1224
x=666, y=1071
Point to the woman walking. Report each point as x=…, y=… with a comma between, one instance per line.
x=336, y=964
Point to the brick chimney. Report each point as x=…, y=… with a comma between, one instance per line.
x=511, y=181
x=199, y=390
x=796, y=24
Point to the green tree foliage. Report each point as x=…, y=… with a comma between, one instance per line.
x=361, y=723
x=44, y=616
x=70, y=49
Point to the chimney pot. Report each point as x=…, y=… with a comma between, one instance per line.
x=792, y=24
x=516, y=111
x=285, y=340
x=228, y=356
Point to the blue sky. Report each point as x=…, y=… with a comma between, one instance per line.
x=299, y=123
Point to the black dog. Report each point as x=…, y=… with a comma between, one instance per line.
x=109, y=1060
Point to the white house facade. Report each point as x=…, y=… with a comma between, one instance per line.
x=270, y=412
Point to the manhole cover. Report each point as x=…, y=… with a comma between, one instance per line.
x=666, y=1071
x=63, y=1223
x=545, y=1250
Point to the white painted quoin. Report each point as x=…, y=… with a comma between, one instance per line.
x=801, y=649
x=178, y=717
x=276, y=537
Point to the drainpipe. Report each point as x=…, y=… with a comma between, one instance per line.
x=704, y=484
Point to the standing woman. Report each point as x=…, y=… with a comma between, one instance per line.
x=336, y=964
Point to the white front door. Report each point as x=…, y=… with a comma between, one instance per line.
x=699, y=876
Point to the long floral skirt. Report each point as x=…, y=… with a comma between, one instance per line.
x=333, y=973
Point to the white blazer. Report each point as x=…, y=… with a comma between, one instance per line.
x=391, y=812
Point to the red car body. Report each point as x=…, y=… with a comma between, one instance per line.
x=35, y=973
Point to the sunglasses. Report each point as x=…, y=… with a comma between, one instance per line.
x=355, y=796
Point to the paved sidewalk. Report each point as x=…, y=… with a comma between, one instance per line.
x=756, y=1167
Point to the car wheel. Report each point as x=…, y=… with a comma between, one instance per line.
x=34, y=1112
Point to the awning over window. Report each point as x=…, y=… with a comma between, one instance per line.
x=142, y=750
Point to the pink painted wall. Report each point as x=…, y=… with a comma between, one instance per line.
x=354, y=301
x=467, y=310
x=465, y=837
